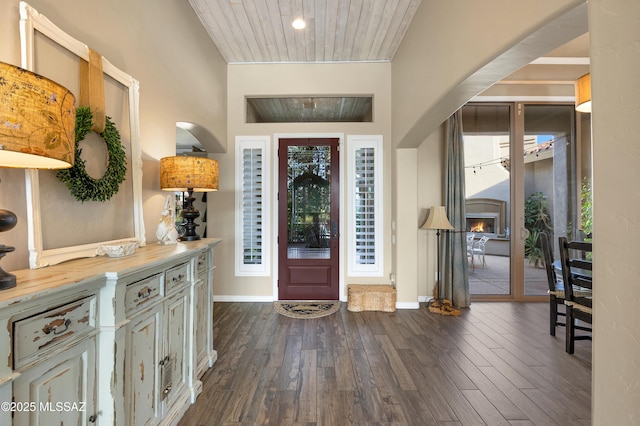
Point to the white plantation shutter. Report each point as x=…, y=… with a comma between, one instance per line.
x=252, y=206
x=365, y=206
x=252, y=241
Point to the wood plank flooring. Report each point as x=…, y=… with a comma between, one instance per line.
x=494, y=365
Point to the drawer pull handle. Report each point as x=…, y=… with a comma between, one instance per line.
x=144, y=293
x=54, y=328
x=178, y=278
x=168, y=388
x=93, y=418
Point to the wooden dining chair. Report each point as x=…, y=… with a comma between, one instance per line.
x=556, y=286
x=578, y=285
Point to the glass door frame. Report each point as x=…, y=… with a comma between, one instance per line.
x=517, y=200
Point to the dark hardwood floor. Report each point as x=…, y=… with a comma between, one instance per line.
x=494, y=365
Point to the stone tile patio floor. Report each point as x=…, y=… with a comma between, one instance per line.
x=494, y=277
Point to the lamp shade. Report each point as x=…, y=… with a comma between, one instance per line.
x=183, y=173
x=437, y=219
x=37, y=121
x=583, y=93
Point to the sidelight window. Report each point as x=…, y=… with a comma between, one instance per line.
x=252, y=206
x=365, y=205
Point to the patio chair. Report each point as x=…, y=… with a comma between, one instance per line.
x=478, y=249
x=577, y=275
x=470, y=242
x=556, y=286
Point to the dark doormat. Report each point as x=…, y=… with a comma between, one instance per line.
x=305, y=309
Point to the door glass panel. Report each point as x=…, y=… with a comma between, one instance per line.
x=549, y=190
x=309, y=206
x=487, y=190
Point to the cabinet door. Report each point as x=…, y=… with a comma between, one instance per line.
x=142, y=365
x=59, y=390
x=202, y=326
x=176, y=349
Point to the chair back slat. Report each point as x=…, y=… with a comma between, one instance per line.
x=552, y=278
x=576, y=271
x=578, y=283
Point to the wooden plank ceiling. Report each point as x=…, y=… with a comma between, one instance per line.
x=260, y=31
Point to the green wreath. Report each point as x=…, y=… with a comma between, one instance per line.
x=82, y=186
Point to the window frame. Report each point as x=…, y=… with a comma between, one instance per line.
x=375, y=269
x=264, y=268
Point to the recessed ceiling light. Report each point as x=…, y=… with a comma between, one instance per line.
x=298, y=24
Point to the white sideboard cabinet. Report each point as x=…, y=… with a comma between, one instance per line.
x=109, y=341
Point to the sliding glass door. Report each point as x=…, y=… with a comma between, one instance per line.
x=521, y=180
x=488, y=132
x=549, y=185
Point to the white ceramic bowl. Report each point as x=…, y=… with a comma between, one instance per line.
x=118, y=248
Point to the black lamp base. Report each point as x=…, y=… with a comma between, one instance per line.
x=190, y=214
x=7, y=221
x=7, y=280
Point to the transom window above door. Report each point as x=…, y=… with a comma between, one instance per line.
x=307, y=109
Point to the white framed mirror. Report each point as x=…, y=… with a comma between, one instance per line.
x=61, y=228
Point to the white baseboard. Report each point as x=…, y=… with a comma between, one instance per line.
x=239, y=299
x=407, y=305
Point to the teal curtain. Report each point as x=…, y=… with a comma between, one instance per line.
x=455, y=268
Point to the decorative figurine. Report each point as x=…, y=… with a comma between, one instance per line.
x=166, y=232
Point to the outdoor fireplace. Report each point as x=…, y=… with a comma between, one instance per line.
x=482, y=224
x=486, y=216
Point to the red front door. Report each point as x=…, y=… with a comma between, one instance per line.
x=308, y=227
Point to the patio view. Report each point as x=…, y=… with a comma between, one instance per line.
x=544, y=172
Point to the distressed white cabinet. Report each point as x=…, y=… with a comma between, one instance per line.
x=205, y=354
x=176, y=361
x=111, y=341
x=55, y=356
x=143, y=355
x=59, y=390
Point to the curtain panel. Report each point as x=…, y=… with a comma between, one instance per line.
x=455, y=267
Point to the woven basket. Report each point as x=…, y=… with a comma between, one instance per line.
x=371, y=298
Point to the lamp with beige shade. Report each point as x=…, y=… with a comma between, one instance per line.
x=189, y=174
x=37, y=125
x=438, y=220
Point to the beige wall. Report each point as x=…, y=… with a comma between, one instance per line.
x=615, y=60
x=182, y=78
x=284, y=80
x=450, y=55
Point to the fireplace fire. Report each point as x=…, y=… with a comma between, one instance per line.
x=481, y=225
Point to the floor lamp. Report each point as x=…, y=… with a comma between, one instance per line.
x=437, y=220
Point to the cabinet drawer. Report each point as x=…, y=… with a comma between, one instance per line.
x=201, y=264
x=49, y=329
x=141, y=293
x=176, y=277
